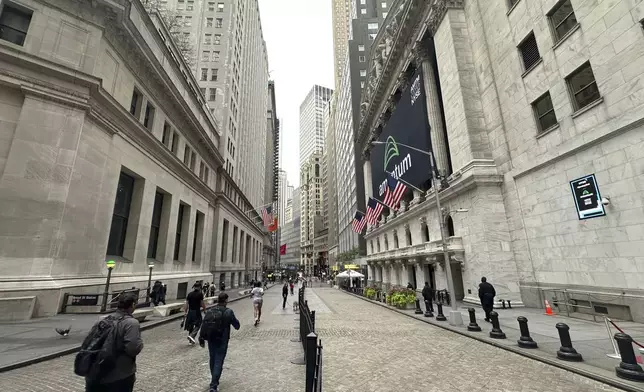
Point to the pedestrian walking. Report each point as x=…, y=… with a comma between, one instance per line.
x=486, y=295
x=164, y=290
x=257, y=295
x=284, y=295
x=216, y=331
x=155, y=295
x=192, y=308
x=291, y=285
x=107, y=358
x=428, y=296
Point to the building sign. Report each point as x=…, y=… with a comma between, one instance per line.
x=351, y=267
x=408, y=124
x=587, y=198
x=85, y=300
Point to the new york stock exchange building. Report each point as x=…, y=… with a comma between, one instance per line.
x=537, y=134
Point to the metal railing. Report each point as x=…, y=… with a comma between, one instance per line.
x=575, y=302
x=310, y=344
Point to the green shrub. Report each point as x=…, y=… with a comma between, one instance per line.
x=401, y=297
x=370, y=292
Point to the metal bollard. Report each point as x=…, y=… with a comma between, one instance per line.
x=525, y=340
x=473, y=326
x=384, y=298
x=566, y=352
x=418, y=310
x=496, y=332
x=628, y=367
x=429, y=309
x=440, y=316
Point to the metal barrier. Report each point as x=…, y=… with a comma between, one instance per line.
x=561, y=298
x=310, y=344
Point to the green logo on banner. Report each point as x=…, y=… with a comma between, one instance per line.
x=391, y=151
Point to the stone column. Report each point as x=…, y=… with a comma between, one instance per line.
x=404, y=274
x=437, y=132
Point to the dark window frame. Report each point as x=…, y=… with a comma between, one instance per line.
x=573, y=94
x=155, y=225
x=539, y=116
x=555, y=26
x=116, y=245
x=177, y=236
x=526, y=49
x=11, y=32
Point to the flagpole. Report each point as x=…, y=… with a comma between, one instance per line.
x=255, y=209
x=381, y=202
x=405, y=182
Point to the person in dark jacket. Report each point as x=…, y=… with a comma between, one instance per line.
x=486, y=295
x=155, y=295
x=284, y=295
x=129, y=344
x=193, y=307
x=218, y=342
x=428, y=296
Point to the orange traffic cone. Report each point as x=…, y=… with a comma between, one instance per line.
x=548, y=309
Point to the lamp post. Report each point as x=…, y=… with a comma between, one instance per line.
x=110, y=266
x=456, y=318
x=147, y=294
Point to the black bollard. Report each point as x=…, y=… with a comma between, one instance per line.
x=628, y=367
x=496, y=332
x=440, y=316
x=473, y=326
x=429, y=311
x=525, y=340
x=503, y=303
x=418, y=310
x=384, y=298
x=509, y=305
x=566, y=352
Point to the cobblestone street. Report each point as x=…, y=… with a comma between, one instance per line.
x=366, y=349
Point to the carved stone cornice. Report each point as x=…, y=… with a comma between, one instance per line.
x=439, y=9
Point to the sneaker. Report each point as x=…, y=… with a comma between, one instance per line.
x=191, y=340
x=256, y=321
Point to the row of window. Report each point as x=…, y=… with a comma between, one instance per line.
x=206, y=55
x=212, y=93
x=189, y=5
x=243, y=245
x=212, y=39
x=581, y=82
x=214, y=74
x=169, y=136
x=186, y=21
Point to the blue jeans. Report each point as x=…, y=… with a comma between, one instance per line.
x=217, y=352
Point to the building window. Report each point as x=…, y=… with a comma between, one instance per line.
x=206, y=175
x=193, y=160
x=175, y=142
x=186, y=155
x=211, y=6
x=135, y=102
x=213, y=74
x=204, y=73
x=363, y=11
x=148, y=119
x=220, y=7
x=120, y=216
x=205, y=55
x=155, y=226
x=363, y=2
x=224, y=241
x=383, y=4
x=583, y=86
x=208, y=22
x=529, y=52
x=188, y=21
x=372, y=26
x=14, y=24
x=208, y=39
x=165, y=138
x=384, y=15
x=372, y=36
x=213, y=95
x=219, y=23
x=190, y=6
x=217, y=39
x=363, y=73
x=562, y=18
x=197, y=239
x=215, y=55
x=234, y=248
x=177, y=237
x=362, y=59
x=360, y=48
x=361, y=84
x=181, y=4
x=203, y=91
x=545, y=113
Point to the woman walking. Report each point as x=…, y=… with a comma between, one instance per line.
x=256, y=294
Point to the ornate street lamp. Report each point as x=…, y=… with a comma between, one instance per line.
x=147, y=295
x=110, y=266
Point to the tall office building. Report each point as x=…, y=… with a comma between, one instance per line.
x=231, y=66
x=283, y=196
x=329, y=182
x=341, y=18
x=311, y=126
x=271, y=179
x=291, y=232
x=311, y=199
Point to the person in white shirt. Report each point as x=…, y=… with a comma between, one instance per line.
x=256, y=295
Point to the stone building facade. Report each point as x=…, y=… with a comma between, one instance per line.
x=522, y=98
x=109, y=152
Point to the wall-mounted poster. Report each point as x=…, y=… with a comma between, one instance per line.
x=587, y=198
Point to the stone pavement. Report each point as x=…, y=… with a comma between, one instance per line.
x=28, y=340
x=368, y=348
x=258, y=359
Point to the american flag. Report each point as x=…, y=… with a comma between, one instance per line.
x=394, y=192
x=267, y=215
x=374, y=209
x=359, y=222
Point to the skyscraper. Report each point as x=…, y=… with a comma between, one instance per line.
x=341, y=17
x=231, y=66
x=311, y=125
x=311, y=199
x=283, y=196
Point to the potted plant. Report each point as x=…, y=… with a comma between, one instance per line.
x=370, y=292
x=402, y=298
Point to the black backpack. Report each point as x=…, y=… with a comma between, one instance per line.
x=98, y=352
x=214, y=323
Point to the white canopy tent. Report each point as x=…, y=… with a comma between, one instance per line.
x=349, y=274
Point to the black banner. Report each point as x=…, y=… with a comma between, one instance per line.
x=587, y=198
x=408, y=125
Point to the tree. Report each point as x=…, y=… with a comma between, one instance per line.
x=176, y=27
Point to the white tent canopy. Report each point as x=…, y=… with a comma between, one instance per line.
x=350, y=274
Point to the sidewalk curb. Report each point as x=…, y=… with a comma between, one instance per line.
x=71, y=350
x=552, y=362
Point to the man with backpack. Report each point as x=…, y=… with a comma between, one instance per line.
x=107, y=358
x=215, y=330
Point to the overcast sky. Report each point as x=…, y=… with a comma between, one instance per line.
x=299, y=38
